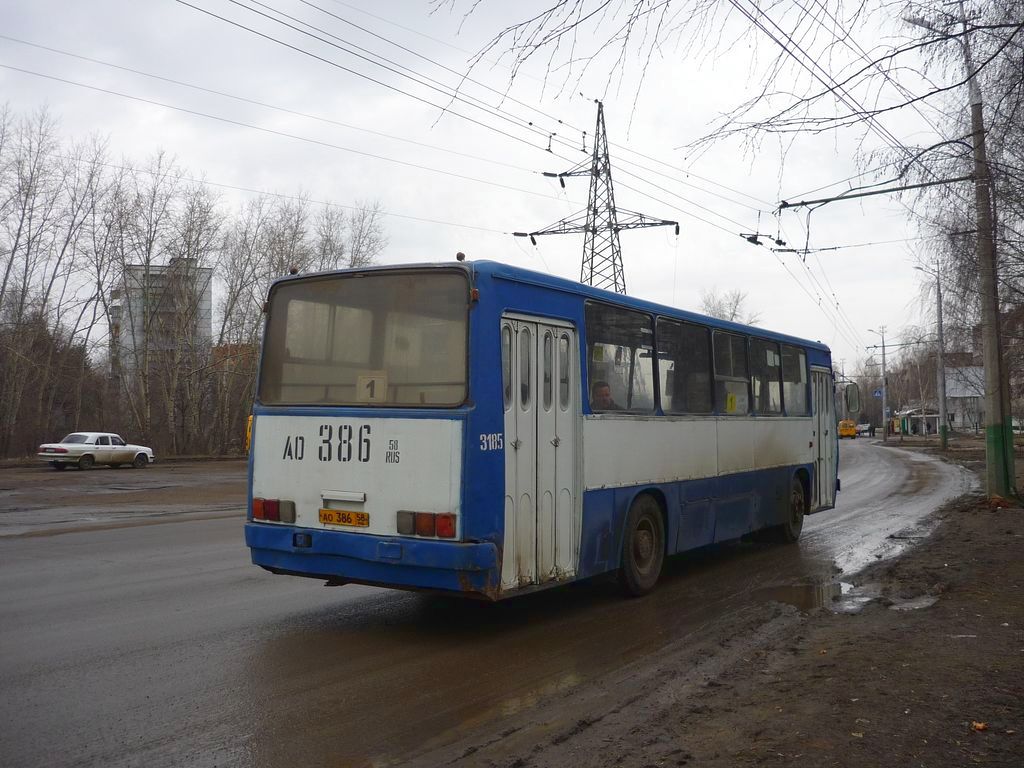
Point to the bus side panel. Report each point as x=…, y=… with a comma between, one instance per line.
x=484, y=449
x=700, y=512
x=736, y=505
x=696, y=515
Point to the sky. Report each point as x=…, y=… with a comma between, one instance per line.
x=332, y=123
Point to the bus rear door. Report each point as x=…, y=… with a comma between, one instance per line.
x=542, y=504
x=824, y=493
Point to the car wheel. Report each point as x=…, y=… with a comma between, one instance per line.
x=58, y=465
x=140, y=461
x=790, y=530
x=86, y=462
x=643, y=547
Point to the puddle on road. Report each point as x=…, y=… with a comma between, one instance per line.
x=806, y=597
x=914, y=603
x=839, y=597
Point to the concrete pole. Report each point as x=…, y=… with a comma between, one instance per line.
x=943, y=425
x=885, y=388
x=1000, y=479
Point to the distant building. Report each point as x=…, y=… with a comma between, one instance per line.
x=965, y=397
x=159, y=315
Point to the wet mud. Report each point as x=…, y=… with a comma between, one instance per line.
x=161, y=645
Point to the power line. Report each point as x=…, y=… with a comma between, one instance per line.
x=888, y=190
x=453, y=93
x=361, y=75
x=283, y=196
x=283, y=134
x=264, y=104
x=761, y=202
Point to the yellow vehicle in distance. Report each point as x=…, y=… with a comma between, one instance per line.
x=847, y=428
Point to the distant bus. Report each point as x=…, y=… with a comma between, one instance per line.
x=479, y=429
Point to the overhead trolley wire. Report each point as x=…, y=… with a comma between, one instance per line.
x=255, y=102
x=283, y=196
x=284, y=134
x=351, y=71
x=299, y=49
x=457, y=94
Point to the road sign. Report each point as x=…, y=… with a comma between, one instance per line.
x=877, y=393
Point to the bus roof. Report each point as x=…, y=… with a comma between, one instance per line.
x=501, y=271
x=518, y=274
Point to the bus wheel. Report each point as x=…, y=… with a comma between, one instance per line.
x=789, y=531
x=643, y=547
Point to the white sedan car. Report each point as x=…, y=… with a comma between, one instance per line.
x=86, y=449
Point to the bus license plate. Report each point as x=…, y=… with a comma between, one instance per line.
x=344, y=517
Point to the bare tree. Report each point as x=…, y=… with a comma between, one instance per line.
x=106, y=317
x=728, y=305
x=366, y=238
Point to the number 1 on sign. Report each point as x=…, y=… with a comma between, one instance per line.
x=372, y=387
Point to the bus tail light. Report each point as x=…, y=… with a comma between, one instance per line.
x=273, y=510
x=286, y=511
x=446, y=526
x=406, y=523
x=424, y=524
x=441, y=525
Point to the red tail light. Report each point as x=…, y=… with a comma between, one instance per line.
x=446, y=526
x=424, y=524
x=272, y=508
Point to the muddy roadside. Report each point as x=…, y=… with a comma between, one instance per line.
x=920, y=662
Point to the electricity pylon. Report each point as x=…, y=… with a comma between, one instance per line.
x=602, y=221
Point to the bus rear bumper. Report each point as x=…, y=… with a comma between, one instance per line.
x=338, y=556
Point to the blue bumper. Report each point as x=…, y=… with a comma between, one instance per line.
x=465, y=568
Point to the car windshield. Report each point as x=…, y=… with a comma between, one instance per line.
x=74, y=437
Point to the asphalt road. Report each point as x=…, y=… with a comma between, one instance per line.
x=145, y=637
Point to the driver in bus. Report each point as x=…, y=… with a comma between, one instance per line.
x=601, y=397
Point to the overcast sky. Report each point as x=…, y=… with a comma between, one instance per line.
x=463, y=186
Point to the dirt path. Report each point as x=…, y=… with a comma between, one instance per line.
x=920, y=663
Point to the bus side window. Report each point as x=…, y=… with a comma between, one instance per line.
x=765, y=375
x=794, y=381
x=731, y=377
x=684, y=355
x=620, y=352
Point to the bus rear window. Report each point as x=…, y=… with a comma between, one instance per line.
x=388, y=339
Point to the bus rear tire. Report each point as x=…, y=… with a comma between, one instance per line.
x=643, y=547
x=789, y=531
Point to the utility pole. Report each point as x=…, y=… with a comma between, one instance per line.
x=885, y=393
x=939, y=359
x=999, y=459
x=602, y=221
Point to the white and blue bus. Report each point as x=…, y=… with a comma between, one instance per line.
x=481, y=429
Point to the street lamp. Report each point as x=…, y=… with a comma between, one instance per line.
x=885, y=394
x=943, y=427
